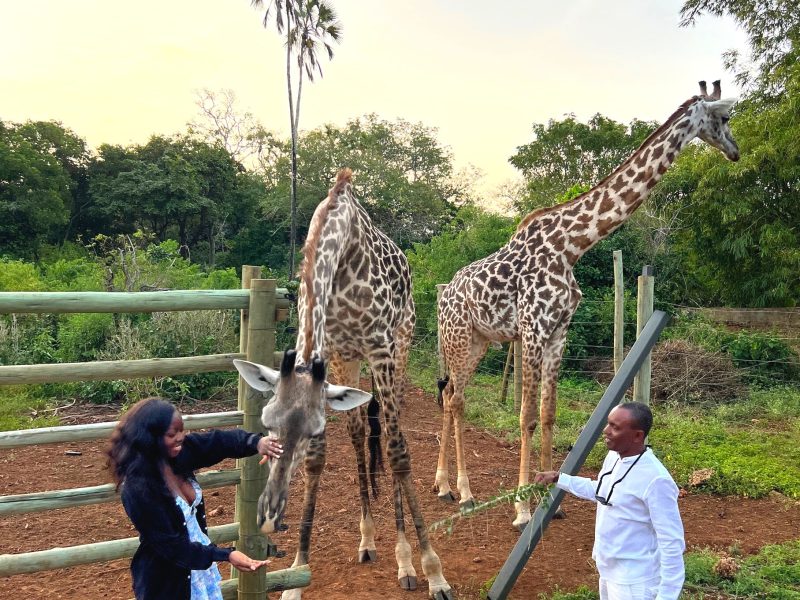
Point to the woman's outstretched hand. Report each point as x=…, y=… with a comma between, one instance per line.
x=244, y=563
x=270, y=448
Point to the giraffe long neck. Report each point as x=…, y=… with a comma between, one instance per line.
x=327, y=240
x=596, y=214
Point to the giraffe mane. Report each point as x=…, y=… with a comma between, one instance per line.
x=343, y=179
x=531, y=216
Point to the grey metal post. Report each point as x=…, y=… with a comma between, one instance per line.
x=586, y=440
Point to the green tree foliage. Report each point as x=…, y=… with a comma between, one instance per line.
x=402, y=175
x=42, y=180
x=773, y=31
x=177, y=188
x=567, y=153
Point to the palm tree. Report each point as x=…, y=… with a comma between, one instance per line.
x=309, y=26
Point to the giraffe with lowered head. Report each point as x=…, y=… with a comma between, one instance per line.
x=355, y=304
x=526, y=290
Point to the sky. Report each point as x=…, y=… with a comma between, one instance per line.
x=119, y=72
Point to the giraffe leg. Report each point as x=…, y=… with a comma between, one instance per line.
x=460, y=377
x=400, y=462
x=442, y=483
x=531, y=364
x=314, y=464
x=346, y=373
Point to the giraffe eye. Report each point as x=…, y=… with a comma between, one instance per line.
x=725, y=119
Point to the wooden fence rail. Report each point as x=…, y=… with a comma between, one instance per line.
x=262, y=304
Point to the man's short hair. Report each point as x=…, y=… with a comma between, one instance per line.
x=642, y=415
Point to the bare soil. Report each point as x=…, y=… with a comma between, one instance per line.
x=471, y=555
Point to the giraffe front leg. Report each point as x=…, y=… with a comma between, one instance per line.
x=531, y=365
x=467, y=500
x=406, y=574
x=438, y=588
x=367, y=550
x=314, y=465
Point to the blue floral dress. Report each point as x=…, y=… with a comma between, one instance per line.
x=205, y=584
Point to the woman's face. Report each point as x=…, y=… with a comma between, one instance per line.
x=173, y=439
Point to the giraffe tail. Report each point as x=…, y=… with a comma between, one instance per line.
x=441, y=384
x=374, y=442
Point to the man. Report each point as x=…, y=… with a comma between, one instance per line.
x=638, y=534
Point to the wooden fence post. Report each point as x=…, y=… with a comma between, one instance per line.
x=619, y=310
x=517, y=376
x=644, y=310
x=442, y=366
x=260, y=349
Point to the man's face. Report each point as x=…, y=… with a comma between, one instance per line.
x=621, y=434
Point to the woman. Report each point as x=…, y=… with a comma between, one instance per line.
x=152, y=462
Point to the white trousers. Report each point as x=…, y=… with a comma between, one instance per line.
x=622, y=591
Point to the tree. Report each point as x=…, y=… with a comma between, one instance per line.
x=773, y=29
x=309, y=26
x=403, y=176
x=36, y=184
x=567, y=153
x=178, y=188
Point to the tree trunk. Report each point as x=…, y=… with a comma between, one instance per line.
x=293, y=199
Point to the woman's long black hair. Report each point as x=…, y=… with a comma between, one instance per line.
x=136, y=448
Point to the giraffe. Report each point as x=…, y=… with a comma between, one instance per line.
x=355, y=303
x=526, y=290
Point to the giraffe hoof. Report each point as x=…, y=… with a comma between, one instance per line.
x=443, y=595
x=448, y=497
x=408, y=583
x=467, y=505
x=365, y=556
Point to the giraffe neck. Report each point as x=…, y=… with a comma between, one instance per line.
x=595, y=215
x=328, y=237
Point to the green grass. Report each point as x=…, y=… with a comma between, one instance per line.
x=19, y=409
x=753, y=444
x=772, y=574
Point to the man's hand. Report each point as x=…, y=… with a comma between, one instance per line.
x=545, y=477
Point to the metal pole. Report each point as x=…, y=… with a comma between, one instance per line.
x=586, y=440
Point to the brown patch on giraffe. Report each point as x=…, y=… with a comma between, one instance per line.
x=343, y=179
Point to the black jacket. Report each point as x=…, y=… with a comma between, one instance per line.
x=162, y=565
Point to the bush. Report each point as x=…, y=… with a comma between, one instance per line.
x=82, y=335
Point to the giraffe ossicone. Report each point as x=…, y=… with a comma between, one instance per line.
x=354, y=304
x=527, y=291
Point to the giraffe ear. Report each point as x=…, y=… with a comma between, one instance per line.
x=721, y=107
x=258, y=377
x=345, y=398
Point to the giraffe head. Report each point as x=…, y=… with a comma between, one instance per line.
x=295, y=414
x=712, y=117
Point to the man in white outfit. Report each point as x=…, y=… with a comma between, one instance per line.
x=638, y=533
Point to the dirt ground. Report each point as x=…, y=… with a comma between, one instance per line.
x=471, y=555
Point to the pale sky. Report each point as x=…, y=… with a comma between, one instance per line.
x=118, y=72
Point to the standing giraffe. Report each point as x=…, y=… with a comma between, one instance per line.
x=355, y=303
x=526, y=290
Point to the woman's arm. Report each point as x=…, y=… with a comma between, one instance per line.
x=151, y=517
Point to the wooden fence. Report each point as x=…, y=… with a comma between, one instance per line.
x=261, y=305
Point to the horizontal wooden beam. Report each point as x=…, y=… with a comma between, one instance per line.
x=131, y=302
x=110, y=370
x=95, y=431
x=41, y=501
x=60, y=558
x=277, y=581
